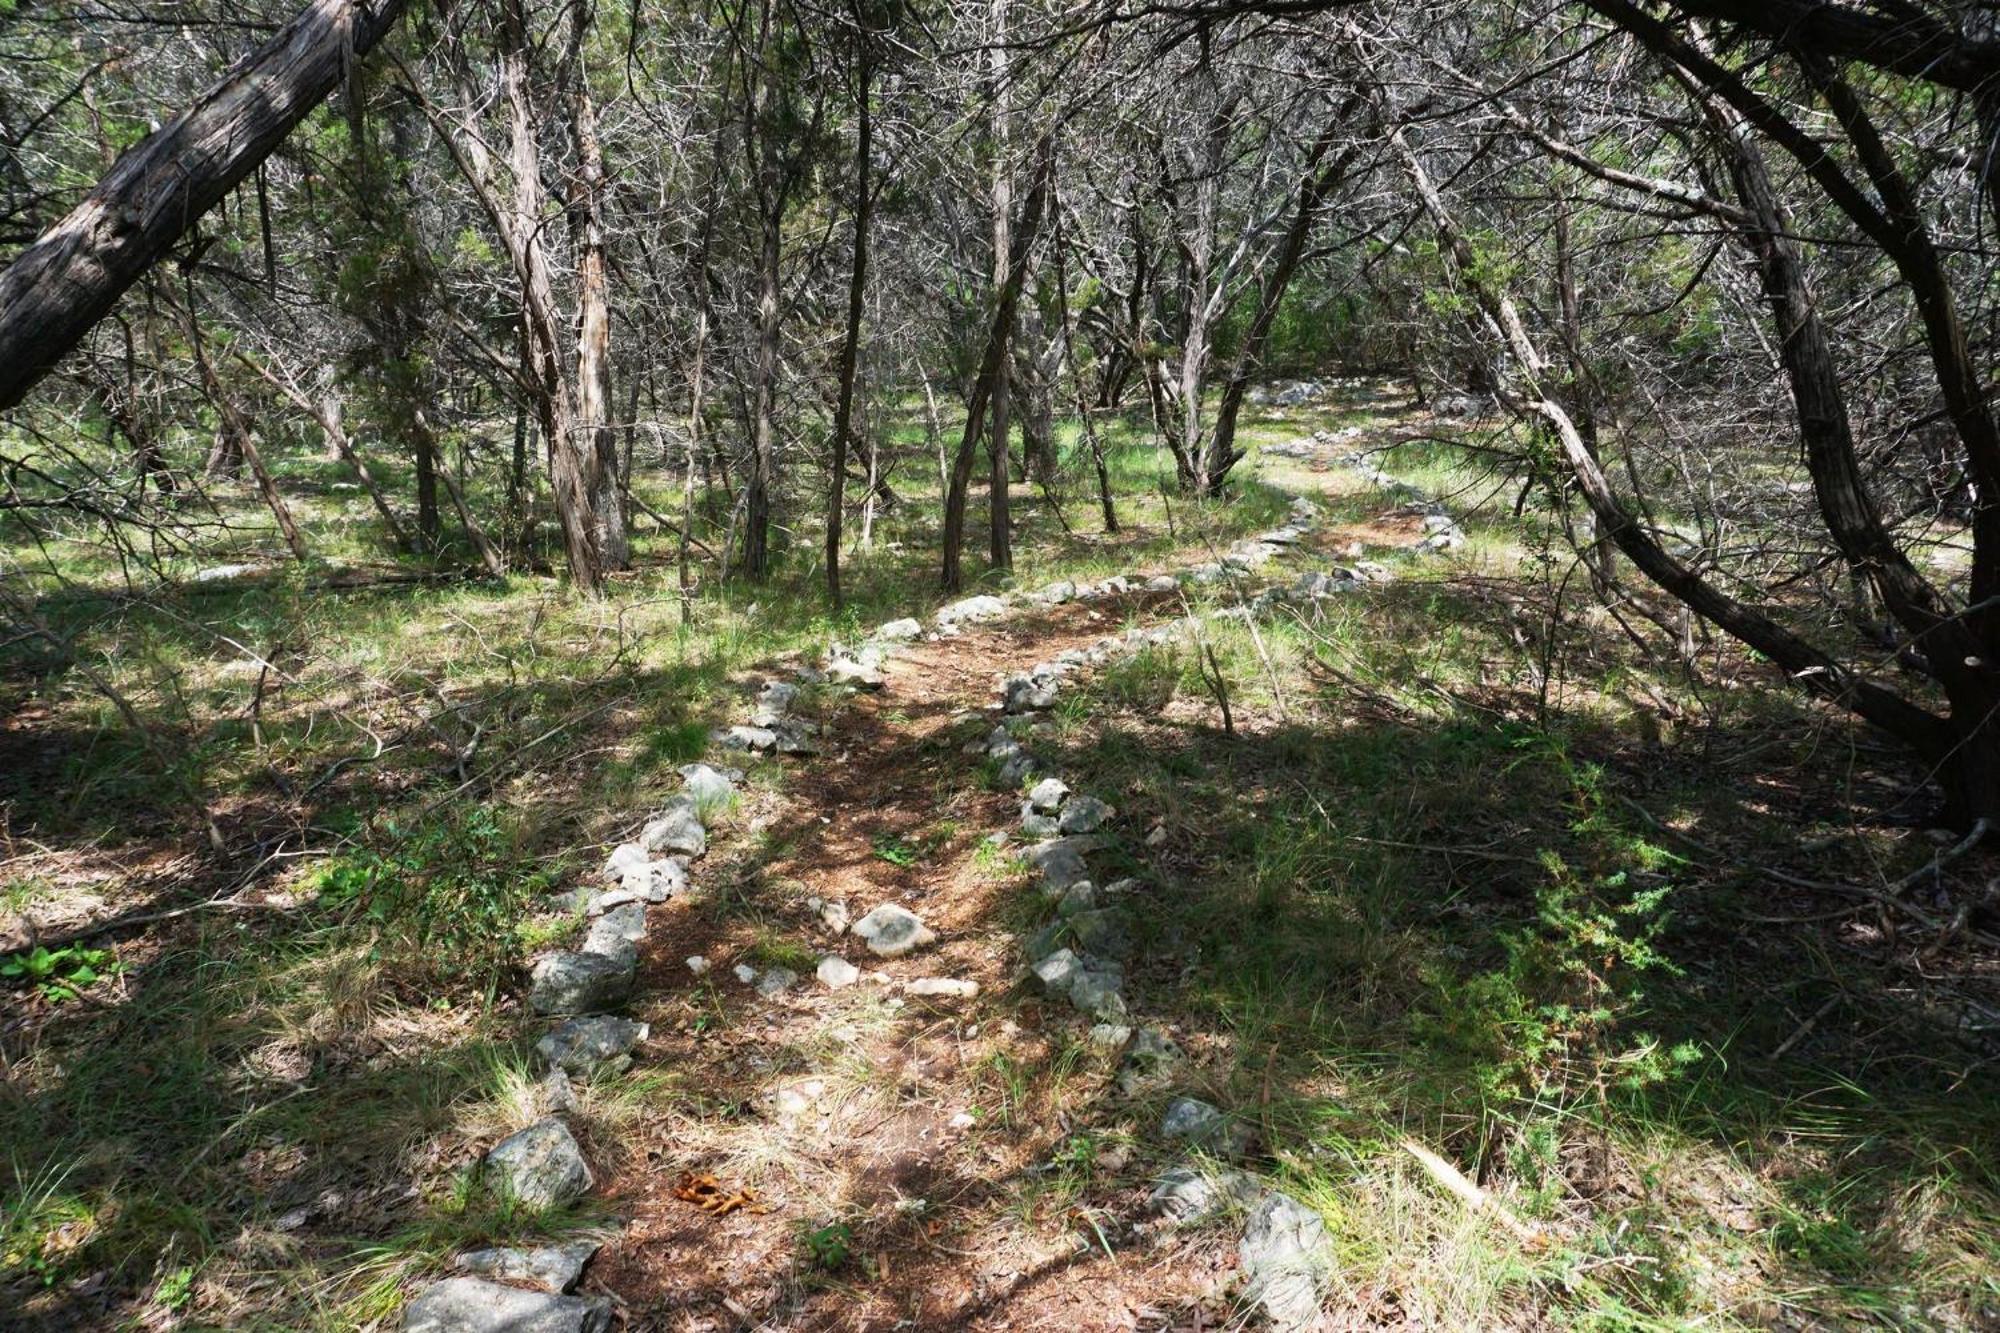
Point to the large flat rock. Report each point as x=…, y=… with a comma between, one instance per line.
x=470, y=1305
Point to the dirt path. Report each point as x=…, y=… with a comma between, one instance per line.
x=902, y=1146
x=932, y=1140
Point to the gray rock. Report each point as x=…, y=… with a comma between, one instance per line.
x=1104, y=931
x=1316, y=584
x=472, y=1305
x=678, y=828
x=1036, y=824
x=710, y=787
x=566, y=901
x=224, y=573
x=849, y=671
x=556, y=1268
x=1081, y=896
x=899, y=631
x=558, y=1097
x=942, y=988
x=892, y=931
x=1185, y=1195
x=1150, y=1063
x=1085, y=814
x=541, y=1165
x=627, y=858
x=797, y=736
x=1284, y=1261
x=580, y=1044
x=1192, y=1119
x=972, y=609
x=1060, y=860
x=776, y=982
x=1047, y=795
x=1058, y=971
x=621, y=926
x=1055, y=594
x=1016, y=768
x=1043, y=942
x=1449, y=537
x=1025, y=694
x=1200, y=1124
x=580, y=983
x=1095, y=994
x=1110, y=1036
x=653, y=882
x=1163, y=583
x=600, y=903
x=665, y=878
x=837, y=973
x=749, y=738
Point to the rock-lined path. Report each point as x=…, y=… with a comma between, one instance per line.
x=831, y=1070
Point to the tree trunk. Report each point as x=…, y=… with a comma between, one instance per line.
x=570, y=473
x=960, y=478
x=999, y=538
x=764, y=427
x=65, y=282
x=596, y=446
x=857, y=290
x=1221, y=454
x=1969, y=772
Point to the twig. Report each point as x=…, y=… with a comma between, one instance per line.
x=1805, y=1028
x=1475, y=1198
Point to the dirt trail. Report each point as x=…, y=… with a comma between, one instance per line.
x=883, y=1209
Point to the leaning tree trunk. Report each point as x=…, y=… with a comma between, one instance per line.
x=65, y=282
x=1220, y=454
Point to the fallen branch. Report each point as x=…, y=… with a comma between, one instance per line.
x=1475, y=1198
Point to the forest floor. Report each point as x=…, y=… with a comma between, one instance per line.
x=1463, y=870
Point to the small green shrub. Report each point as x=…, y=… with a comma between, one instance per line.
x=894, y=850
x=60, y=974
x=1553, y=1020
x=829, y=1247
x=445, y=900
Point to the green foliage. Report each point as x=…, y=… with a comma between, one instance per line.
x=60, y=974
x=1815, y=1228
x=1551, y=1021
x=1145, y=682
x=828, y=1247
x=894, y=850
x=41, y=1222
x=443, y=900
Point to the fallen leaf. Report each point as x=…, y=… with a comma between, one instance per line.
x=705, y=1192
